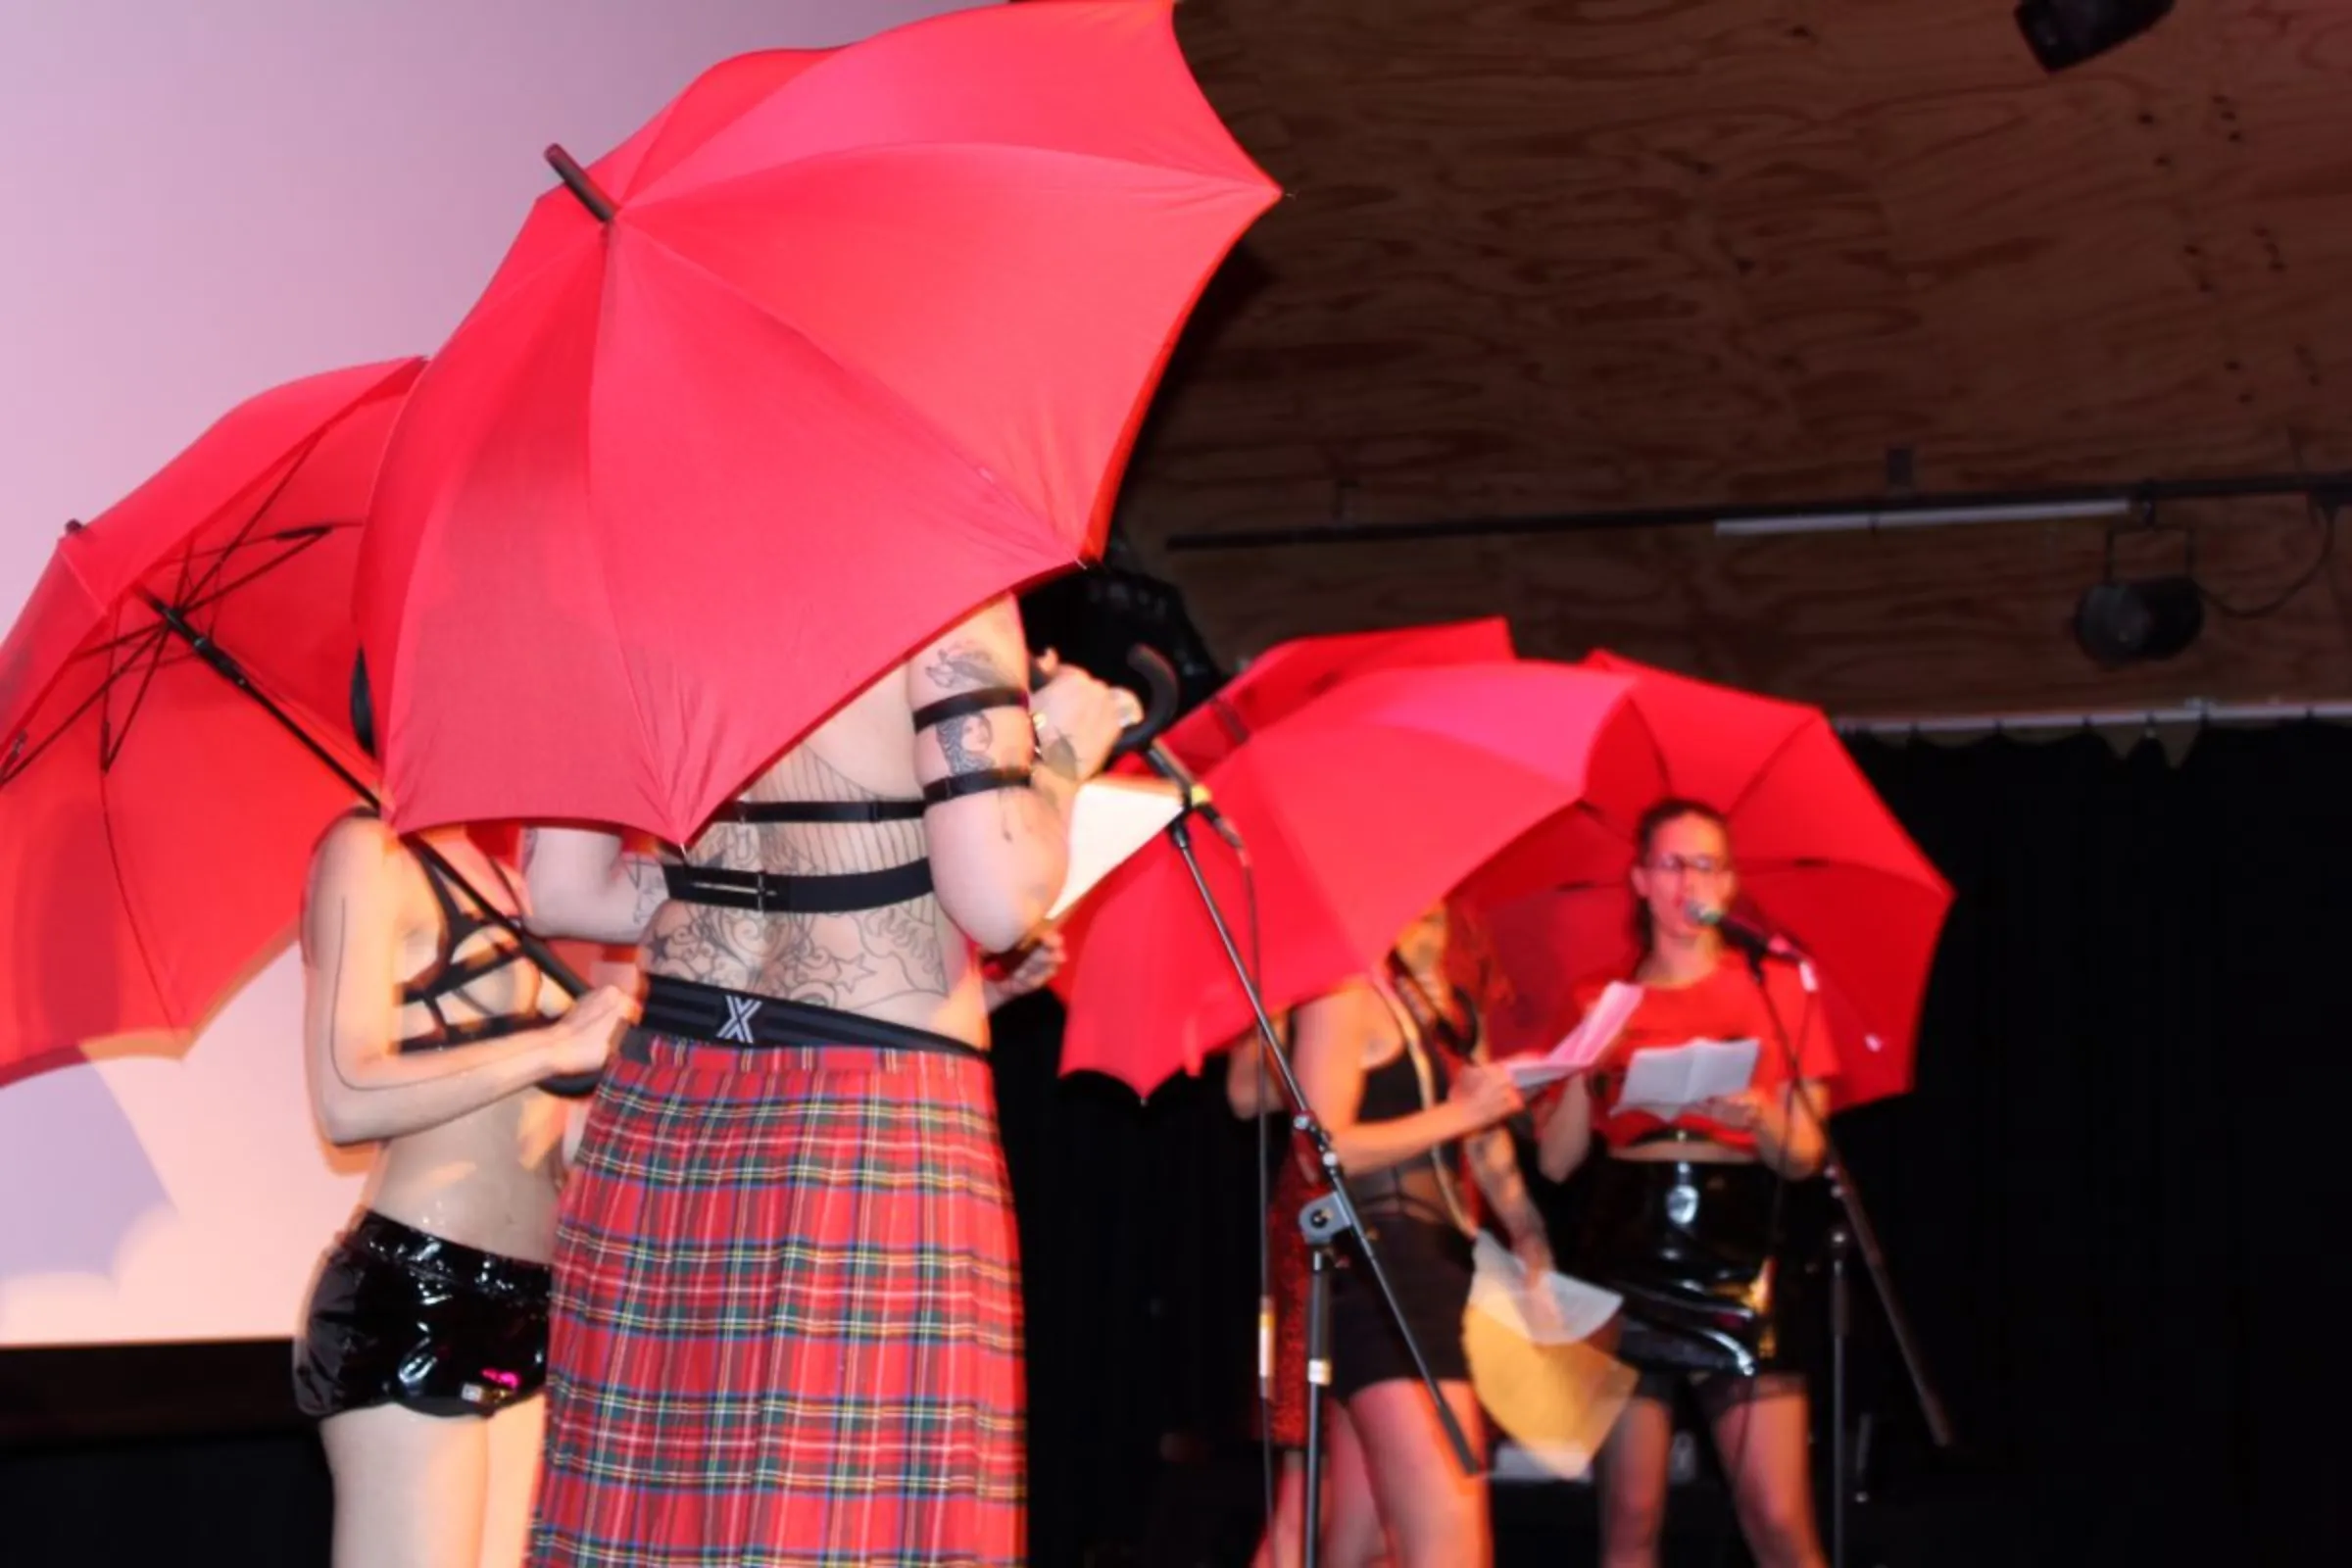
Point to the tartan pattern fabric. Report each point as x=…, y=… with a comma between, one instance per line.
x=786, y=1325
x=1287, y=1281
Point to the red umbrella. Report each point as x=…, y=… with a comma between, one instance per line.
x=1820, y=856
x=1289, y=675
x=155, y=820
x=1286, y=678
x=1360, y=810
x=841, y=345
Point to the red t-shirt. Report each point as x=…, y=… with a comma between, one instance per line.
x=1726, y=1005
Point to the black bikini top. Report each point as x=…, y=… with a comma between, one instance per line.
x=847, y=892
x=450, y=974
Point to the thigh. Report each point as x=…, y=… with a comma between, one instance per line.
x=1633, y=1466
x=512, y=1464
x=1433, y=1513
x=1764, y=1439
x=409, y=1487
x=1352, y=1527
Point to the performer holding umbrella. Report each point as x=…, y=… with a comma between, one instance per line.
x=1395, y=1066
x=427, y=1029
x=1279, y=681
x=1361, y=810
x=1683, y=1217
x=172, y=757
x=1754, y=809
x=777, y=402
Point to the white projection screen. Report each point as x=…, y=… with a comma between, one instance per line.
x=204, y=201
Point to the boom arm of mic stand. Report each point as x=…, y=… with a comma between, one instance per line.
x=1303, y=1119
x=1866, y=1241
x=1857, y=1220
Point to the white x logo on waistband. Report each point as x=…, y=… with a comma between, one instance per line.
x=739, y=1019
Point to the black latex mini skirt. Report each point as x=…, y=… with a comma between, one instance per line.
x=402, y=1317
x=1689, y=1245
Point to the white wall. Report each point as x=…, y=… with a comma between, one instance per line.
x=199, y=202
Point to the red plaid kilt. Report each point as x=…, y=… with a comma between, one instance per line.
x=786, y=1327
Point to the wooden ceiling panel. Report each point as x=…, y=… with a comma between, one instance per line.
x=1543, y=256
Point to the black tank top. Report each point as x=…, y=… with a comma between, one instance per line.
x=1416, y=1079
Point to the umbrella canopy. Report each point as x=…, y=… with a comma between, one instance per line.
x=1360, y=810
x=841, y=345
x=155, y=820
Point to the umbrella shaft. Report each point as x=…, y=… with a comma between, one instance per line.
x=226, y=666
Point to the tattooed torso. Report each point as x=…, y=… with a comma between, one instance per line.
x=899, y=962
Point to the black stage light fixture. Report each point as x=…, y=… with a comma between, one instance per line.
x=2122, y=623
x=2067, y=32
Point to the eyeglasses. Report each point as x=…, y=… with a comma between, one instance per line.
x=1695, y=864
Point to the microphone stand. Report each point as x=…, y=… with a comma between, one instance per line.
x=1326, y=1217
x=1864, y=1239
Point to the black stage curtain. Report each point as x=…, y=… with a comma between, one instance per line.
x=2101, y=1208
x=2109, y=1203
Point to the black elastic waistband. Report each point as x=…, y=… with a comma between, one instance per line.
x=746, y=1019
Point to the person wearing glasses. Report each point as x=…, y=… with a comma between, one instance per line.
x=1685, y=1209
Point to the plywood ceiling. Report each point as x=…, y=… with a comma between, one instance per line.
x=1546, y=256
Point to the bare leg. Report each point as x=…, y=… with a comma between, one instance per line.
x=1282, y=1543
x=1351, y=1531
x=1351, y=1537
x=1632, y=1483
x=1762, y=1441
x=1436, y=1516
x=409, y=1487
x=513, y=1471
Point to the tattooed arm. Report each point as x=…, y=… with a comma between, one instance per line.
x=362, y=1088
x=582, y=885
x=998, y=858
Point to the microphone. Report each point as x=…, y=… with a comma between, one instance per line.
x=1743, y=934
x=1196, y=799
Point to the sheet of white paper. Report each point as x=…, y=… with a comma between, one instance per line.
x=1112, y=819
x=1670, y=1079
x=1499, y=1288
x=1594, y=1034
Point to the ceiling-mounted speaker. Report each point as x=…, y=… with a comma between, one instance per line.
x=2067, y=32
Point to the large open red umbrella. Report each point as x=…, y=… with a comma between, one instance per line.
x=1280, y=680
x=155, y=820
x=1820, y=859
x=841, y=345
x=1361, y=810
x=1289, y=675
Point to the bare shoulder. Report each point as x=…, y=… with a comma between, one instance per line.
x=356, y=862
x=1343, y=1015
x=356, y=851
x=985, y=648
